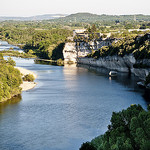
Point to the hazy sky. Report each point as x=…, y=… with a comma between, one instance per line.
x=39, y=7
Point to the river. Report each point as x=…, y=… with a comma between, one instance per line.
x=70, y=105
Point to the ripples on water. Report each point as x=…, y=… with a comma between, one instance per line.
x=70, y=105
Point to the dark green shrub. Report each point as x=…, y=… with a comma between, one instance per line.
x=29, y=78
x=60, y=62
x=87, y=146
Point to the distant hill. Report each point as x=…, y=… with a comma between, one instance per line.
x=32, y=18
x=88, y=17
x=81, y=17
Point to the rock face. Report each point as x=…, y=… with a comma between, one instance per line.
x=69, y=52
x=122, y=64
x=117, y=63
x=141, y=73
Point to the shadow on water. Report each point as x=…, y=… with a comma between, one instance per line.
x=42, y=62
x=147, y=95
x=128, y=80
x=13, y=101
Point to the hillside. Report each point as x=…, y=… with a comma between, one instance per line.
x=88, y=17
x=80, y=17
x=138, y=46
x=33, y=18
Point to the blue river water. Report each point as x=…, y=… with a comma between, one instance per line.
x=70, y=105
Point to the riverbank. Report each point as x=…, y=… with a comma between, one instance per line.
x=17, y=54
x=117, y=63
x=27, y=85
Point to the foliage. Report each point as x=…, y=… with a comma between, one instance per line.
x=88, y=17
x=87, y=146
x=10, y=80
x=29, y=78
x=38, y=42
x=60, y=62
x=129, y=130
x=139, y=48
x=1, y=56
x=11, y=61
x=18, y=54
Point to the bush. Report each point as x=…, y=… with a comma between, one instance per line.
x=87, y=146
x=29, y=78
x=60, y=62
x=11, y=61
x=1, y=56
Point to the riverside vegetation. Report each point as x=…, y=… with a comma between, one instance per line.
x=129, y=130
x=139, y=48
x=17, y=54
x=29, y=78
x=10, y=79
x=47, y=44
x=46, y=38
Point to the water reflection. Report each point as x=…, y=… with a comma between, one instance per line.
x=69, y=105
x=13, y=101
x=42, y=62
x=127, y=80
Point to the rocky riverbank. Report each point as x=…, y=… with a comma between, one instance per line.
x=117, y=63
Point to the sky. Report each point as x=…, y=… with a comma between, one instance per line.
x=27, y=8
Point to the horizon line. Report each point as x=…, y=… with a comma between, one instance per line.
x=76, y=13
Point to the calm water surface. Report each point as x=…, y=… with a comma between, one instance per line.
x=5, y=46
x=70, y=105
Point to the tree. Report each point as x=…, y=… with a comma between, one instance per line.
x=87, y=146
x=11, y=61
x=93, y=28
x=129, y=130
x=29, y=78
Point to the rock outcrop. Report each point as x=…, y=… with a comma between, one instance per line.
x=117, y=63
x=122, y=64
x=69, y=52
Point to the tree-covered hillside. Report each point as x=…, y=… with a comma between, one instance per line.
x=43, y=43
x=80, y=17
x=10, y=79
x=88, y=17
x=139, y=47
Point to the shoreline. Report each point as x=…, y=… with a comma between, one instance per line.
x=27, y=85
